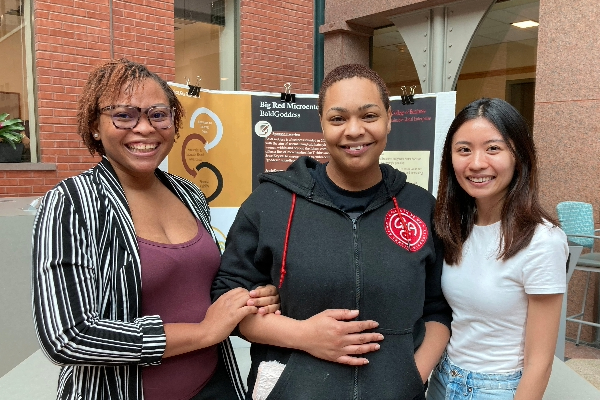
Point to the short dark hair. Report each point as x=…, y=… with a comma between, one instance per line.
x=105, y=83
x=349, y=71
x=455, y=211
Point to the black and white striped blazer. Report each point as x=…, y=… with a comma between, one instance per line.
x=87, y=287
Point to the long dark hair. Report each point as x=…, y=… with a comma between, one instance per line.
x=455, y=211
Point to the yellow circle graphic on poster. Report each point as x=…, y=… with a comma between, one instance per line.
x=214, y=147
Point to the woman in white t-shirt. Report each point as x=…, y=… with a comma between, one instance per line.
x=505, y=260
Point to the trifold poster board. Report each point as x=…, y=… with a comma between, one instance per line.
x=227, y=138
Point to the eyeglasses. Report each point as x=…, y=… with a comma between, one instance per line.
x=127, y=117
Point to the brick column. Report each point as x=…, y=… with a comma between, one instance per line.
x=276, y=45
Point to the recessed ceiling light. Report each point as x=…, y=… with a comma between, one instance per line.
x=525, y=24
x=224, y=79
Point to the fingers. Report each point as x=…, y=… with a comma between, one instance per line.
x=361, y=349
x=235, y=298
x=242, y=312
x=360, y=326
x=240, y=298
x=264, y=291
x=273, y=308
x=350, y=326
x=363, y=338
x=236, y=292
x=264, y=301
x=225, y=313
x=334, y=337
x=357, y=349
x=341, y=314
x=354, y=361
x=345, y=315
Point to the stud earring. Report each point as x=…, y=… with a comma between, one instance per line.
x=96, y=135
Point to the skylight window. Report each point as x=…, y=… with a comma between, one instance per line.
x=525, y=24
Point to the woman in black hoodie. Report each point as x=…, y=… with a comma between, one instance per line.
x=351, y=246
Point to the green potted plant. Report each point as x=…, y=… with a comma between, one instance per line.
x=11, y=137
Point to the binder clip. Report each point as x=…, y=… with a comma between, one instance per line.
x=287, y=96
x=408, y=95
x=403, y=96
x=411, y=95
x=194, y=91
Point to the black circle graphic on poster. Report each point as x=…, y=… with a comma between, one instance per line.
x=217, y=173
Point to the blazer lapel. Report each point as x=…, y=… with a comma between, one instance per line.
x=115, y=198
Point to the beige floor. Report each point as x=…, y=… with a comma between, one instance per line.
x=588, y=369
x=36, y=378
x=585, y=360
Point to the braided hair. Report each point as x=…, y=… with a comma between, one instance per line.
x=107, y=82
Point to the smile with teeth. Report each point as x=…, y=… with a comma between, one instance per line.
x=142, y=147
x=357, y=147
x=481, y=179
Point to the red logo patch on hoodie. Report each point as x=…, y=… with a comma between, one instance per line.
x=417, y=230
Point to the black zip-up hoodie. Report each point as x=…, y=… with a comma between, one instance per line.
x=334, y=261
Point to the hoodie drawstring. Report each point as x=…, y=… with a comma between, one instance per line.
x=404, y=226
x=289, y=227
x=400, y=217
x=287, y=238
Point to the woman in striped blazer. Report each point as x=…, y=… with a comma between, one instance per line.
x=124, y=257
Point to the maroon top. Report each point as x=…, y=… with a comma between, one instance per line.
x=176, y=280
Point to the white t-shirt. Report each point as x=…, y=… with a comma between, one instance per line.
x=489, y=297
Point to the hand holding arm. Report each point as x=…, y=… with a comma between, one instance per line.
x=266, y=298
x=221, y=318
x=541, y=332
x=328, y=335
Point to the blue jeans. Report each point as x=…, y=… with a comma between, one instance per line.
x=450, y=382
